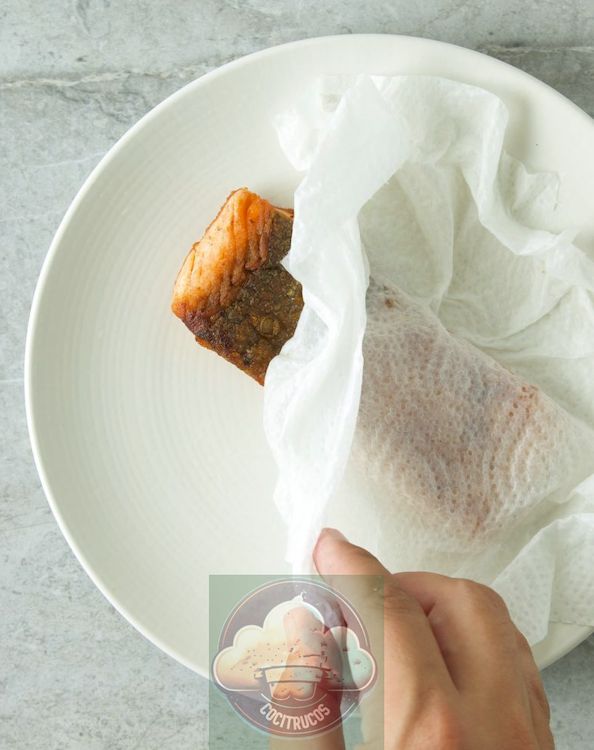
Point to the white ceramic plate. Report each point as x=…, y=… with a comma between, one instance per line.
x=150, y=449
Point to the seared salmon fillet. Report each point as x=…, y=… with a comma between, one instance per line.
x=232, y=292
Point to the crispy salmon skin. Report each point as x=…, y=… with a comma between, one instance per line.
x=232, y=291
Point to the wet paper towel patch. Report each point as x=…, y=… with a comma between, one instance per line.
x=437, y=400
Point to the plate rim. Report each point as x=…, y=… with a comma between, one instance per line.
x=580, y=633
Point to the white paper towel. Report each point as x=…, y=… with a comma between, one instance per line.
x=408, y=176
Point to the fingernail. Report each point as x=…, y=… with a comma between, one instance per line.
x=322, y=555
x=328, y=531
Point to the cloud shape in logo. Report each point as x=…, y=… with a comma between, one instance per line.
x=356, y=669
x=292, y=653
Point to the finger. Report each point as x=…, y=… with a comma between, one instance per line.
x=475, y=634
x=411, y=654
x=539, y=704
x=541, y=724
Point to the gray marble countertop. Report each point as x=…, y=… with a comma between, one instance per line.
x=74, y=76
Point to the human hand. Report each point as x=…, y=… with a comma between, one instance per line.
x=458, y=674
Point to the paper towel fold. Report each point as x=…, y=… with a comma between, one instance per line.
x=407, y=176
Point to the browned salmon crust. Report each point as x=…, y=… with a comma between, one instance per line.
x=232, y=292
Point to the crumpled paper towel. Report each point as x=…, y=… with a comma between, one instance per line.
x=405, y=179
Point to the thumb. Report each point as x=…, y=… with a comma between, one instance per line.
x=411, y=654
x=335, y=555
x=342, y=564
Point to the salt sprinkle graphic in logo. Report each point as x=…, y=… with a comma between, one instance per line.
x=300, y=672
